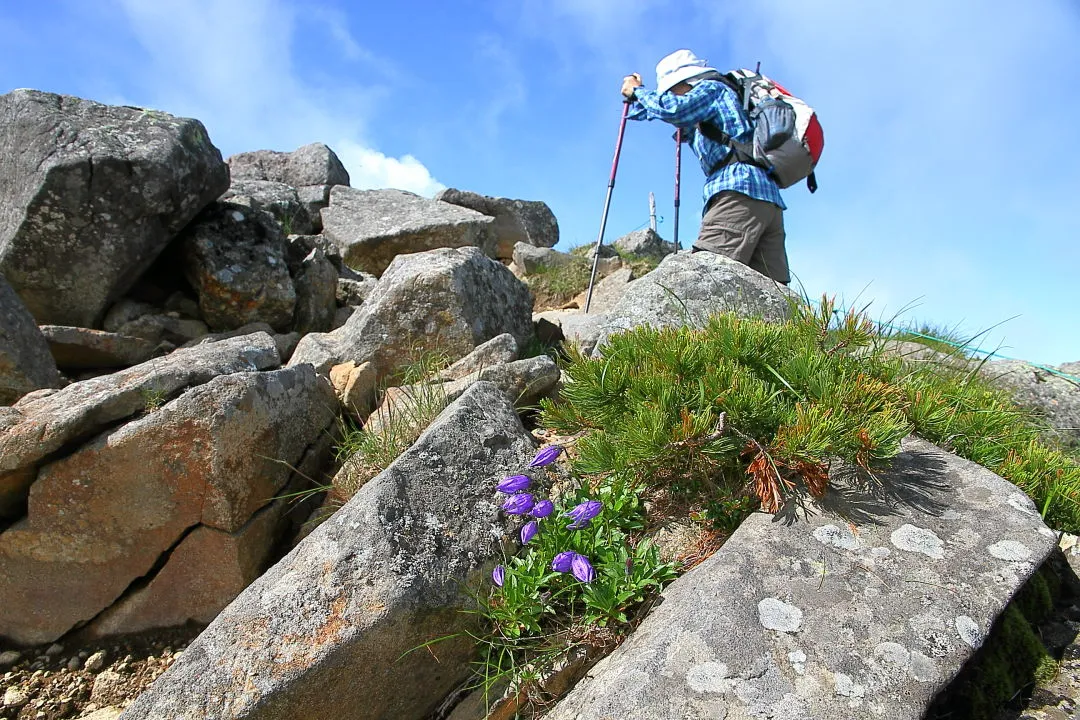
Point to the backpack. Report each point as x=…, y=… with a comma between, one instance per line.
x=788, y=138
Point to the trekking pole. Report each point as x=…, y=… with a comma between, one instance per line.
x=607, y=203
x=678, y=174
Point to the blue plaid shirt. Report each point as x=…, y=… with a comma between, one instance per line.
x=710, y=100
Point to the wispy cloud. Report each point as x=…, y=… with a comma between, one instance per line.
x=233, y=65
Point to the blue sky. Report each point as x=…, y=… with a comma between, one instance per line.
x=949, y=183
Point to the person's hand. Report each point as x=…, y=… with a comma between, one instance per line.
x=629, y=84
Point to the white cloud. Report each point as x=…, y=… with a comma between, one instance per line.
x=234, y=66
x=372, y=169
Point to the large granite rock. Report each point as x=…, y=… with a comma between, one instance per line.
x=531, y=259
x=101, y=517
x=573, y=326
x=40, y=425
x=449, y=299
x=372, y=227
x=25, y=361
x=234, y=257
x=686, y=288
x=316, y=282
x=90, y=194
x=606, y=292
x=79, y=348
x=496, y=351
x=1054, y=398
x=326, y=633
x=526, y=221
x=644, y=243
x=206, y=570
x=867, y=610
x=523, y=382
x=314, y=164
x=280, y=200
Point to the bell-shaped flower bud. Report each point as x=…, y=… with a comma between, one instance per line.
x=528, y=531
x=514, y=483
x=518, y=504
x=546, y=456
x=582, y=569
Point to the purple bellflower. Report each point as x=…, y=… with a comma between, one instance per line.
x=514, y=483
x=542, y=509
x=498, y=574
x=546, y=456
x=582, y=569
x=583, y=514
x=518, y=504
x=563, y=561
x=528, y=531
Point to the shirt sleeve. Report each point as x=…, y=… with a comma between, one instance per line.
x=680, y=110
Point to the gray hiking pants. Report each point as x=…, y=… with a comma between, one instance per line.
x=748, y=230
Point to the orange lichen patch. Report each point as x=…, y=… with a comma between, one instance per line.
x=298, y=651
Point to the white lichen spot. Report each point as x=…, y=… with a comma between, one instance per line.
x=917, y=539
x=892, y=653
x=1010, y=550
x=1023, y=504
x=969, y=631
x=708, y=677
x=842, y=538
x=847, y=687
x=798, y=661
x=1047, y=532
x=950, y=514
x=776, y=614
x=923, y=668
x=880, y=552
x=237, y=216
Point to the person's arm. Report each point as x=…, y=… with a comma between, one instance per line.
x=680, y=110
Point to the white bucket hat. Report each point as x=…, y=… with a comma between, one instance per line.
x=678, y=66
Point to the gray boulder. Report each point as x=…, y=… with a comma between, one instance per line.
x=315, y=198
x=311, y=170
x=572, y=326
x=316, y=283
x=524, y=382
x=90, y=195
x=327, y=631
x=526, y=221
x=124, y=311
x=298, y=247
x=607, y=291
x=372, y=227
x=496, y=351
x=354, y=292
x=1052, y=397
x=25, y=361
x=314, y=164
x=39, y=426
x=79, y=348
x=278, y=199
x=453, y=299
x=644, y=244
x=531, y=259
x=101, y=517
x=234, y=257
x=164, y=328
x=806, y=619
x=686, y=288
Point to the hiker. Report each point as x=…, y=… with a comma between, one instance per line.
x=744, y=214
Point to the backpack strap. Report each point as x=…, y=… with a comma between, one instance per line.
x=740, y=152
